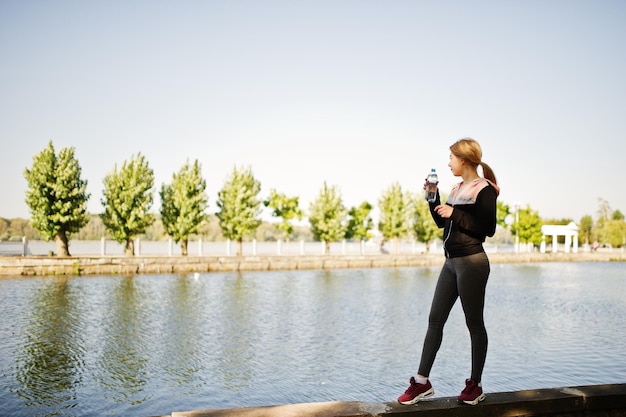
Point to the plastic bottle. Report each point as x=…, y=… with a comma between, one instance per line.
x=431, y=187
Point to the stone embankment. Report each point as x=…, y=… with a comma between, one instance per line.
x=584, y=401
x=123, y=265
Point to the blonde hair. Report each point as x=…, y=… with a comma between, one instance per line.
x=469, y=150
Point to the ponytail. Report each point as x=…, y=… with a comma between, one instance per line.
x=488, y=173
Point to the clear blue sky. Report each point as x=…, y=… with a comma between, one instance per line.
x=359, y=94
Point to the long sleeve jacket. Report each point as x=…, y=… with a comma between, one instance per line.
x=472, y=220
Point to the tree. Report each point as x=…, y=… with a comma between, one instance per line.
x=610, y=226
x=183, y=204
x=528, y=226
x=239, y=206
x=57, y=196
x=4, y=229
x=286, y=208
x=614, y=233
x=327, y=216
x=128, y=197
x=211, y=230
x=393, y=222
x=618, y=229
x=19, y=228
x=422, y=224
x=156, y=231
x=502, y=212
x=585, y=229
x=604, y=211
x=93, y=230
x=360, y=222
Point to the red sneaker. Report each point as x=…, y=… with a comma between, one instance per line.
x=472, y=394
x=416, y=392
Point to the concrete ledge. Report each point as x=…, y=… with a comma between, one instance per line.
x=582, y=401
x=122, y=265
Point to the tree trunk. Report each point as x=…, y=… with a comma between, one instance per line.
x=183, y=247
x=61, y=242
x=130, y=247
x=239, y=246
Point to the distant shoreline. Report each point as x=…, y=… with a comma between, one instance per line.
x=12, y=266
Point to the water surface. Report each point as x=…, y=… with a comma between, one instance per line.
x=154, y=344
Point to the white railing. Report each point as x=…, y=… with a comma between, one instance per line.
x=104, y=247
x=19, y=248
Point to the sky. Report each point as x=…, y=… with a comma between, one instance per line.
x=357, y=94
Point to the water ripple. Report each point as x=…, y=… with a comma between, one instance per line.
x=153, y=344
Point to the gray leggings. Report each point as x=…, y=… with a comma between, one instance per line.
x=464, y=277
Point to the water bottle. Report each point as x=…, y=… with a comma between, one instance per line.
x=431, y=187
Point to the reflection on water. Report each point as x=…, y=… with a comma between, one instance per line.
x=123, y=366
x=50, y=364
x=153, y=344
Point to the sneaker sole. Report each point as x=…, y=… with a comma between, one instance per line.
x=421, y=396
x=478, y=399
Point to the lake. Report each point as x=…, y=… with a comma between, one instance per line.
x=153, y=344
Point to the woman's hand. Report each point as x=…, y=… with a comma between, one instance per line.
x=426, y=183
x=444, y=210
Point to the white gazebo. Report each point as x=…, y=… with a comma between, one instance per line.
x=570, y=232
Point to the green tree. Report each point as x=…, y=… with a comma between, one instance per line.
x=502, y=212
x=610, y=226
x=239, y=206
x=156, y=231
x=585, y=229
x=19, y=228
x=4, y=229
x=211, y=230
x=183, y=204
x=394, y=214
x=327, y=216
x=57, y=196
x=268, y=232
x=602, y=220
x=360, y=222
x=614, y=233
x=422, y=224
x=93, y=230
x=285, y=208
x=128, y=197
x=528, y=225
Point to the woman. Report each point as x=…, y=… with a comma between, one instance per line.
x=467, y=218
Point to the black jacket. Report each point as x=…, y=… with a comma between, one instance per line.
x=473, y=218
